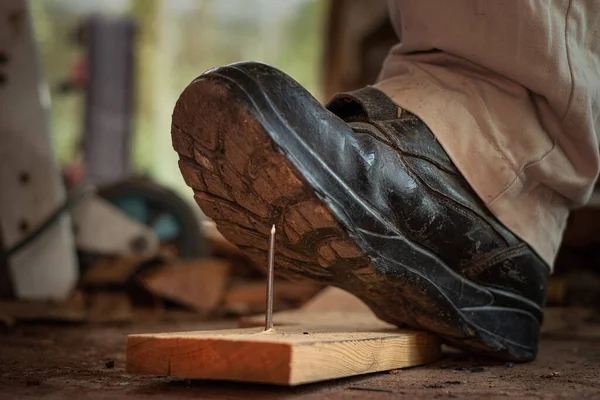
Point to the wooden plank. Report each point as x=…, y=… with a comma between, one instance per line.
x=312, y=318
x=285, y=356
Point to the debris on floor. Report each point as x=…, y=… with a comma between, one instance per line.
x=67, y=361
x=121, y=289
x=198, y=285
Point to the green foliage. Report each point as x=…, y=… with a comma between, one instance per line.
x=175, y=45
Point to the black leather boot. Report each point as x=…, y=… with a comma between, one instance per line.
x=364, y=198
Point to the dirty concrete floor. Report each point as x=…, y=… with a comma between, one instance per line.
x=83, y=362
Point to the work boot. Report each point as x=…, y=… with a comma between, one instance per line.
x=364, y=198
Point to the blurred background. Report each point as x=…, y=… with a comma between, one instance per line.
x=113, y=70
x=172, y=42
x=94, y=85
x=100, y=237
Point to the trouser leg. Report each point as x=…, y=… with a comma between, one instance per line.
x=510, y=89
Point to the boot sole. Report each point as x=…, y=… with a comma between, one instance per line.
x=246, y=177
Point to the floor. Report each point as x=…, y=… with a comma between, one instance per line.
x=85, y=362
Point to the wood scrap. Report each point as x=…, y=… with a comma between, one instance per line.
x=335, y=299
x=287, y=356
x=112, y=270
x=198, y=284
x=319, y=318
x=571, y=323
x=7, y=319
x=576, y=288
x=109, y=307
x=250, y=297
x=330, y=307
x=556, y=292
x=72, y=310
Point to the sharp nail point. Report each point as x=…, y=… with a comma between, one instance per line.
x=271, y=266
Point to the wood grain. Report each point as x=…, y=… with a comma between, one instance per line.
x=288, y=356
x=321, y=319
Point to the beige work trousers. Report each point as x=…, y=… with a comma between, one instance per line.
x=510, y=88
